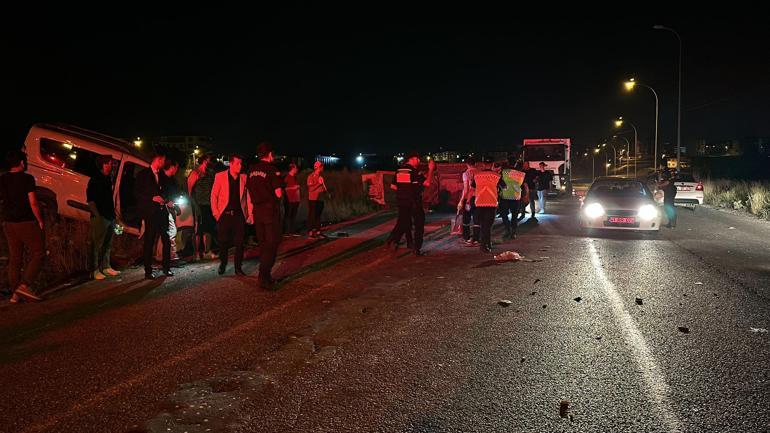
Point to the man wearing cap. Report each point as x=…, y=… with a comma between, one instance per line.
x=99, y=197
x=265, y=190
x=409, y=184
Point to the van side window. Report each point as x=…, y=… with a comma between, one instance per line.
x=129, y=211
x=66, y=155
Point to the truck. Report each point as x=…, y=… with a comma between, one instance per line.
x=555, y=153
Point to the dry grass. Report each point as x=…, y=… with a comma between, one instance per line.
x=346, y=199
x=752, y=197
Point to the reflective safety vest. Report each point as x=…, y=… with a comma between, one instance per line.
x=513, y=180
x=486, y=188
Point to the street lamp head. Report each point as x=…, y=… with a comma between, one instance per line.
x=604, y=144
x=619, y=122
x=630, y=84
x=596, y=151
x=608, y=164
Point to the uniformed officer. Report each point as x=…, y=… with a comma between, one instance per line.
x=409, y=184
x=264, y=186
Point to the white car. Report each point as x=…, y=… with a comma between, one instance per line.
x=616, y=203
x=689, y=192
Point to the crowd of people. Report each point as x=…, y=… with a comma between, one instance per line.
x=227, y=203
x=223, y=204
x=488, y=189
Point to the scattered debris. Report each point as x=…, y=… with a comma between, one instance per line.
x=342, y=234
x=326, y=301
x=639, y=301
x=599, y=338
x=441, y=278
x=504, y=303
x=731, y=228
x=364, y=310
x=758, y=330
x=544, y=306
x=536, y=281
x=698, y=283
x=684, y=329
x=523, y=359
x=533, y=294
x=563, y=408
x=578, y=299
x=544, y=258
x=508, y=256
x=716, y=295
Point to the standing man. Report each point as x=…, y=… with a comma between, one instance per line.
x=530, y=178
x=668, y=187
x=315, y=195
x=99, y=197
x=265, y=189
x=409, y=184
x=171, y=193
x=23, y=226
x=199, y=184
x=513, y=178
x=467, y=204
x=486, y=183
x=291, y=201
x=232, y=209
x=152, y=207
x=544, y=179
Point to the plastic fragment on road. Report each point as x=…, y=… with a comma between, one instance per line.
x=536, y=281
x=758, y=330
x=698, y=283
x=639, y=301
x=508, y=256
x=504, y=303
x=731, y=228
x=684, y=329
x=578, y=299
x=342, y=234
x=564, y=408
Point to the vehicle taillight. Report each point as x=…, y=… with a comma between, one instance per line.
x=699, y=187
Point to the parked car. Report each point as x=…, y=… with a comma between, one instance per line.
x=62, y=160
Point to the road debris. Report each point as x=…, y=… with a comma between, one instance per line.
x=508, y=256
x=684, y=329
x=639, y=301
x=504, y=303
x=578, y=299
x=564, y=408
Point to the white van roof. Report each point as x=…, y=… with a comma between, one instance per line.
x=113, y=143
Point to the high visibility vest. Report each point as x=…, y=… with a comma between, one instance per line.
x=486, y=188
x=513, y=180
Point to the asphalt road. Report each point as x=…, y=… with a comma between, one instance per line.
x=359, y=339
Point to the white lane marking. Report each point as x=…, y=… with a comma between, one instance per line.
x=657, y=388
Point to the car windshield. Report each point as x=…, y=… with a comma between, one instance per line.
x=683, y=177
x=618, y=188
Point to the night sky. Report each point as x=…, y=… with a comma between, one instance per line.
x=384, y=80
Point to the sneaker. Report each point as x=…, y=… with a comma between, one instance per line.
x=14, y=299
x=98, y=275
x=111, y=272
x=24, y=291
x=541, y=211
x=472, y=244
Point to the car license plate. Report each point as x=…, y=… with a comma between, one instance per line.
x=622, y=220
x=683, y=188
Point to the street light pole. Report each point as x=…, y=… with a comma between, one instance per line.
x=630, y=86
x=618, y=124
x=679, y=105
x=628, y=152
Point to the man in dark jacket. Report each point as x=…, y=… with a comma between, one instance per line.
x=152, y=207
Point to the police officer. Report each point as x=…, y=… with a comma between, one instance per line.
x=264, y=186
x=409, y=184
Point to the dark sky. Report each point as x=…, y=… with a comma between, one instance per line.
x=382, y=80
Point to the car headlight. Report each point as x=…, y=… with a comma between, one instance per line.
x=181, y=201
x=648, y=212
x=594, y=210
